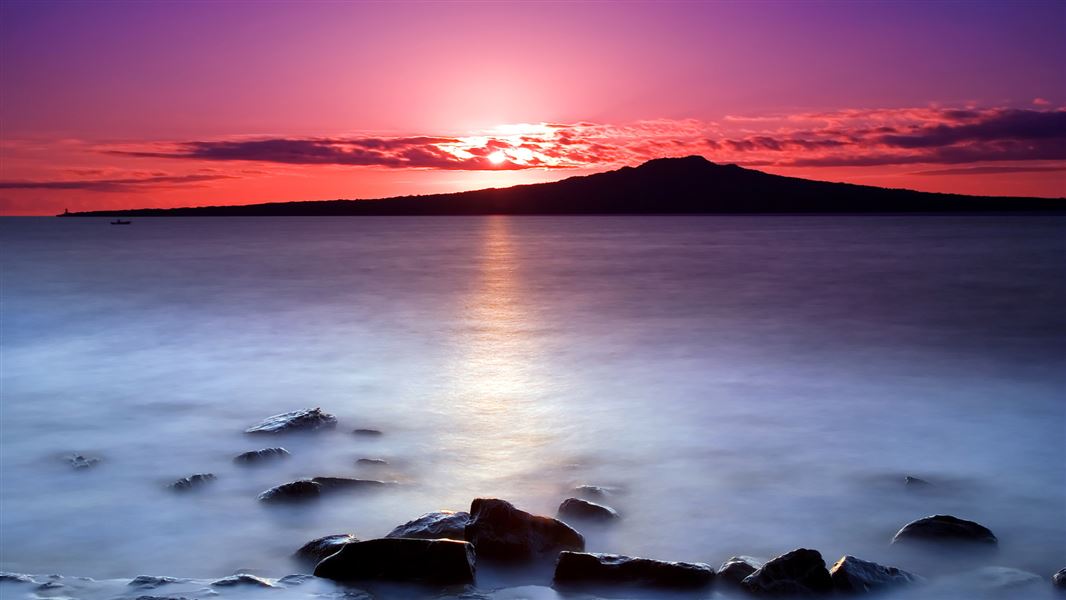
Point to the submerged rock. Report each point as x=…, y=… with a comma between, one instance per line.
x=243, y=579
x=581, y=568
x=801, y=572
x=367, y=432
x=945, y=528
x=308, y=419
x=294, y=491
x=737, y=568
x=1000, y=579
x=499, y=530
x=308, y=489
x=576, y=508
x=151, y=581
x=401, y=559
x=854, y=575
x=443, y=524
x=1059, y=579
x=594, y=492
x=319, y=548
x=377, y=462
x=79, y=461
x=915, y=482
x=262, y=455
x=192, y=481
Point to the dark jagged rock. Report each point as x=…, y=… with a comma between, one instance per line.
x=499, y=530
x=916, y=482
x=242, y=579
x=192, y=481
x=319, y=548
x=308, y=489
x=1059, y=579
x=294, y=491
x=401, y=559
x=79, y=461
x=374, y=462
x=258, y=456
x=945, y=528
x=16, y=578
x=576, y=508
x=367, y=432
x=444, y=524
x=737, y=568
x=856, y=576
x=151, y=581
x=308, y=419
x=588, y=568
x=801, y=572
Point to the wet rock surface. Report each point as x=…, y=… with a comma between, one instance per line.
x=314, y=551
x=576, y=568
x=435, y=525
x=854, y=575
x=944, y=528
x=801, y=572
x=576, y=508
x=1059, y=579
x=500, y=531
x=260, y=456
x=243, y=579
x=737, y=568
x=151, y=581
x=192, y=482
x=308, y=419
x=401, y=559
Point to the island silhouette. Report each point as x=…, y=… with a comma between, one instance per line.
x=688, y=185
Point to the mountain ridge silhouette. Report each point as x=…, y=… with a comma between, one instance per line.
x=687, y=185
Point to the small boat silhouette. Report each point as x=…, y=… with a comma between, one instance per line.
x=120, y=222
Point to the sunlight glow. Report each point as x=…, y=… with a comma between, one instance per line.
x=497, y=157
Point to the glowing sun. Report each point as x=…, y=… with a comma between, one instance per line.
x=497, y=157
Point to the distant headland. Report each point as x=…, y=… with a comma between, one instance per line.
x=689, y=185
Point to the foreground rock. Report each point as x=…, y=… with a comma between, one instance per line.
x=259, y=456
x=944, y=528
x=242, y=579
x=576, y=508
x=309, y=489
x=801, y=572
x=499, y=530
x=1059, y=579
x=401, y=559
x=443, y=524
x=308, y=419
x=737, y=568
x=853, y=575
x=79, y=461
x=192, y=481
x=614, y=569
x=314, y=551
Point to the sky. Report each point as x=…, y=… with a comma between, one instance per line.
x=108, y=105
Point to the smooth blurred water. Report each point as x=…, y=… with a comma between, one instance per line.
x=752, y=384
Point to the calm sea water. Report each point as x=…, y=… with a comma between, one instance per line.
x=750, y=384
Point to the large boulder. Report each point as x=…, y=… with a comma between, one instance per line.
x=1059, y=579
x=309, y=489
x=944, y=528
x=401, y=559
x=314, y=551
x=501, y=531
x=308, y=419
x=854, y=575
x=191, y=482
x=583, y=510
x=257, y=456
x=443, y=524
x=737, y=568
x=587, y=568
x=801, y=572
